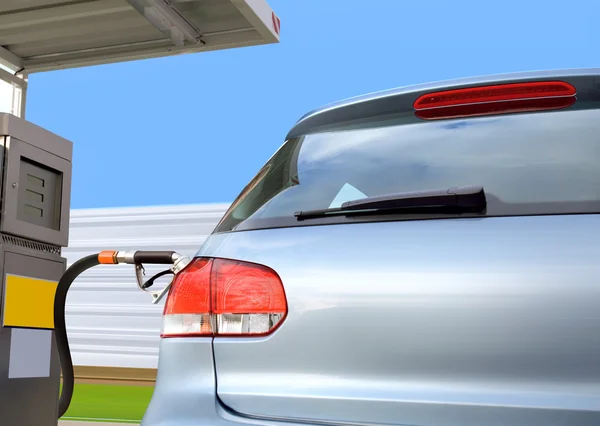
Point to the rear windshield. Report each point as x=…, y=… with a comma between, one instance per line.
x=544, y=163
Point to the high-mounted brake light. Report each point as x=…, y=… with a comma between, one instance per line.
x=221, y=297
x=495, y=99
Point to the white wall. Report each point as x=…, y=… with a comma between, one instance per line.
x=109, y=321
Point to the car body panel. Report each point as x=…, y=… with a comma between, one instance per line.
x=432, y=322
x=184, y=394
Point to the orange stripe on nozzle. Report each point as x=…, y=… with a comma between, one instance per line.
x=107, y=257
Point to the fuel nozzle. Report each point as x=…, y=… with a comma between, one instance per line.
x=135, y=257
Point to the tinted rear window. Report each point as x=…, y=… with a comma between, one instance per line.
x=545, y=163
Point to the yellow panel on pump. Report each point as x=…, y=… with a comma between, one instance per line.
x=29, y=302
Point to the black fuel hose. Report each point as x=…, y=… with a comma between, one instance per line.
x=60, y=298
x=60, y=328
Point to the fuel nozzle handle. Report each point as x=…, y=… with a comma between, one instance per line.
x=161, y=257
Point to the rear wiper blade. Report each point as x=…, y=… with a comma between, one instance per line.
x=451, y=200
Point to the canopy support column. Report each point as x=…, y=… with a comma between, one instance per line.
x=13, y=90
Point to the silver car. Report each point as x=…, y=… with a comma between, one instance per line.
x=425, y=256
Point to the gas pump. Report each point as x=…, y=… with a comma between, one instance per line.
x=35, y=171
x=34, y=217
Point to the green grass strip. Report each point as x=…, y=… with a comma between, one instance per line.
x=110, y=403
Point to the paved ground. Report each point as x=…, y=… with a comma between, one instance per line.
x=72, y=423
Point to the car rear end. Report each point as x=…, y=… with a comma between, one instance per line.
x=403, y=316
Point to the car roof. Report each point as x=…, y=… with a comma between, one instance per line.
x=587, y=82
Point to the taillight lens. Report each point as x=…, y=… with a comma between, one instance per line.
x=222, y=297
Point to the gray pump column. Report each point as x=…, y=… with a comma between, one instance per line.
x=35, y=185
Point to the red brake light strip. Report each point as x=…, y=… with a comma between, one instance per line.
x=495, y=99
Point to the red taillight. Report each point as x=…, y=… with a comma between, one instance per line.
x=221, y=297
x=496, y=99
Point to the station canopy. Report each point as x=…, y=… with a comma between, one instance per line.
x=45, y=35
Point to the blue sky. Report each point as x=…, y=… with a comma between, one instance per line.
x=195, y=128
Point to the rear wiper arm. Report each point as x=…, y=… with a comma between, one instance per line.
x=451, y=200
